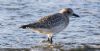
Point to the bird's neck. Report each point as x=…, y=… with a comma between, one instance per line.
x=66, y=15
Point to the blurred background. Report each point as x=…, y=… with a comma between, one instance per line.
x=80, y=31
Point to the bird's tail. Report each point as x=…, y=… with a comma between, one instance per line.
x=24, y=26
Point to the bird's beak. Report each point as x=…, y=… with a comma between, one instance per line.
x=75, y=15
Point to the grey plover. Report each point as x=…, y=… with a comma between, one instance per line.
x=52, y=24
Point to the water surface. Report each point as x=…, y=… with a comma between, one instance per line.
x=82, y=30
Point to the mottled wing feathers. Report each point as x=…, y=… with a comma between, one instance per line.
x=51, y=20
x=47, y=21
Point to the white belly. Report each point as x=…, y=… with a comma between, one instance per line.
x=59, y=28
x=43, y=31
x=52, y=30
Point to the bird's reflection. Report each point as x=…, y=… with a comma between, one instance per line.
x=48, y=47
x=65, y=47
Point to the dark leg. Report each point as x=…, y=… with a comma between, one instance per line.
x=50, y=40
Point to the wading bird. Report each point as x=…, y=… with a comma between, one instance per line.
x=52, y=24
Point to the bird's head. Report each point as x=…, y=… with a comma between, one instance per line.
x=68, y=12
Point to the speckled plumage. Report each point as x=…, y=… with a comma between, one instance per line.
x=52, y=24
x=49, y=21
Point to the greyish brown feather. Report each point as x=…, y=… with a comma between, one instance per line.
x=48, y=21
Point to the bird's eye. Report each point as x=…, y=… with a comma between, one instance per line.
x=68, y=11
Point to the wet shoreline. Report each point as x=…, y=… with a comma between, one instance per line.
x=37, y=48
x=15, y=49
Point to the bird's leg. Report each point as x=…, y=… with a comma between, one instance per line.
x=50, y=39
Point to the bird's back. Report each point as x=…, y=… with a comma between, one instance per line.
x=49, y=22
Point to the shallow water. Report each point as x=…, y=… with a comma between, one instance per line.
x=82, y=30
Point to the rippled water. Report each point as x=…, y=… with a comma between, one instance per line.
x=14, y=13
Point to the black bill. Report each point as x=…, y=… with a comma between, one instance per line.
x=76, y=15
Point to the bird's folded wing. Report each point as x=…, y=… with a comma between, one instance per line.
x=48, y=21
